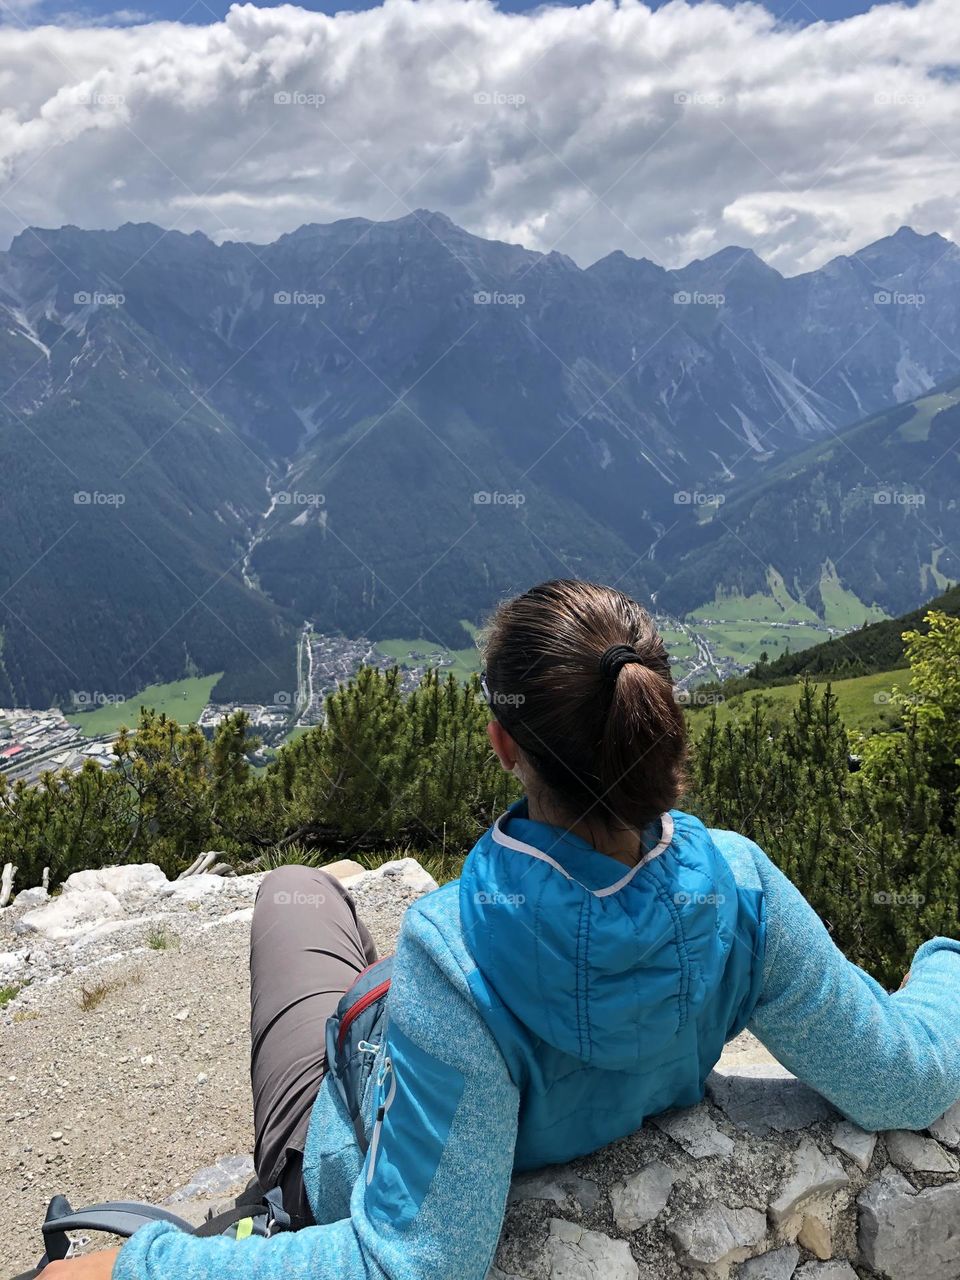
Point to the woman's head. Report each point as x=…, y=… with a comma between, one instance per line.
x=604, y=737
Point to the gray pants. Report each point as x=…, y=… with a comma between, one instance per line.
x=306, y=948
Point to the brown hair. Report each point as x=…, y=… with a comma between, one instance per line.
x=608, y=746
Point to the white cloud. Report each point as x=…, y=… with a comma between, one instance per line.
x=585, y=129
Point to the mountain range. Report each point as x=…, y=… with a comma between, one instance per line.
x=384, y=427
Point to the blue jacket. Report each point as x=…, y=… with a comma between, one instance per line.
x=632, y=980
x=545, y=1004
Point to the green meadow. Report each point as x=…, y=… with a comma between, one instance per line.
x=181, y=700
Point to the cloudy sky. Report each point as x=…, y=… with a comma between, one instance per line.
x=802, y=130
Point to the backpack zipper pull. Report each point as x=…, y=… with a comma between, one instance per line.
x=364, y=1046
x=384, y=1104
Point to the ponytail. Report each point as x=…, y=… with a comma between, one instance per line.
x=579, y=676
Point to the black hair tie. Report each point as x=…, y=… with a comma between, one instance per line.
x=617, y=656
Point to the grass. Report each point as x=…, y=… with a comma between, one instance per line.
x=158, y=939
x=925, y=410
x=462, y=662
x=183, y=700
x=92, y=995
x=7, y=994
x=863, y=702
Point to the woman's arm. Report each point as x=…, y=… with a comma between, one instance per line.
x=886, y=1061
x=430, y=1200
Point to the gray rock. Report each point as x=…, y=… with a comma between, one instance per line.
x=947, y=1128
x=574, y=1254
x=762, y=1097
x=717, y=1236
x=778, y=1265
x=557, y=1185
x=813, y=1175
x=832, y=1270
x=695, y=1132
x=855, y=1142
x=643, y=1195
x=916, y=1154
x=908, y=1234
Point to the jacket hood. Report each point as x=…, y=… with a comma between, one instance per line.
x=604, y=963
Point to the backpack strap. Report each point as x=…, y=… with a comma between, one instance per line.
x=264, y=1217
x=118, y=1217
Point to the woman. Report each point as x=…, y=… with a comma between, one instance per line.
x=583, y=974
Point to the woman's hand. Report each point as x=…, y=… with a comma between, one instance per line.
x=92, y=1266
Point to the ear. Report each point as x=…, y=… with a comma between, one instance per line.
x=504, y=747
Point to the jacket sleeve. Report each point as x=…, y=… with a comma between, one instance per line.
x=430, y=1199
x=885, y=1061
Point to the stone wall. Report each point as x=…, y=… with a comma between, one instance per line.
x=762, y=1181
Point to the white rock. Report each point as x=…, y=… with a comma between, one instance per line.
x=138, y=878
x=12, y=961
x=813, y=1175
x=35, y=897
x=639, y=1198
x=182, y=1015
x=854, y=1142
x=716, y=1236
x=695, y=1132
x=73, y=915
x=916, y=1154
x=574, y=1254
x=835, y=1269
x=947, y=1128
x=406, y=872
x=196, y=887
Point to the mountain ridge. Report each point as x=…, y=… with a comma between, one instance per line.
x=383, y=375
